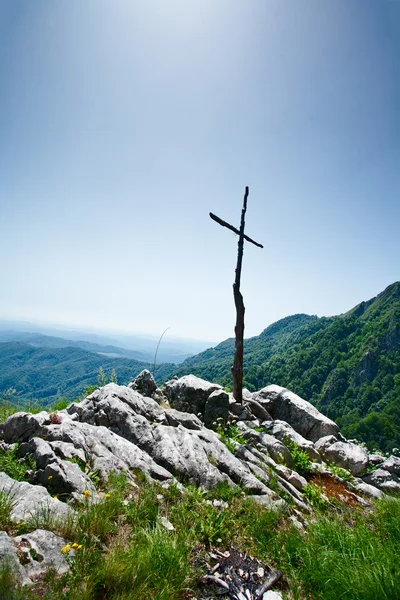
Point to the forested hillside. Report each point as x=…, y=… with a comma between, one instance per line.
x=348, y=366
x=45, y=374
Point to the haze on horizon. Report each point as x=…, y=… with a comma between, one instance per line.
x=123, y=124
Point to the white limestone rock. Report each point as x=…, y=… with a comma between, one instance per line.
x=347, y=455
x=31, y=501
x=189, y=393
x=300, y=414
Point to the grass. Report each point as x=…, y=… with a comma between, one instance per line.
x=9, y=588
x=356, y=559
x=152, y=564
x=126, y=553
x=6, y=504
x=60, y=404
x=14, y=466
x=8, y=408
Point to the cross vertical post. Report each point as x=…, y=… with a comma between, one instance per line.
x=237, y=367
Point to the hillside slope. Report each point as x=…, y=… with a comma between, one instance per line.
x=348, y=365
x=45, y=374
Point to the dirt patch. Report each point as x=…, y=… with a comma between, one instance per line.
x=334, y=489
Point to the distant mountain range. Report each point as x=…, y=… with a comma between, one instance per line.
x=347, y=365
x=46, y=341
x=138, y=347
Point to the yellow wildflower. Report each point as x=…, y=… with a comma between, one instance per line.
x=75, y=545
x=66, y=549
x=50, y=477
x=86, y=493
x=107, y=496
x=79, y=547
x=55, y=496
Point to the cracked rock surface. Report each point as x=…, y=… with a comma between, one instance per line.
x=30, y=556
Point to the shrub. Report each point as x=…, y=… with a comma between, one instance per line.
x=301, y=461
x=60, y=404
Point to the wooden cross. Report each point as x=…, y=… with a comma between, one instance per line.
x=237, y=368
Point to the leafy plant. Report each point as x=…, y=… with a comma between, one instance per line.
x=102, y=378
x=113, y=376
x=315, y=497
x=301, y=461
x=339, y=472
x=212, y=529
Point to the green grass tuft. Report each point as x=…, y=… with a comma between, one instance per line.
x=14, y=466
x=6, y=504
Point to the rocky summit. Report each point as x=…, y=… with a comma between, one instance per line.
x=190, y=432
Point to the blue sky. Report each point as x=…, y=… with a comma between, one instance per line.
x=123, y=123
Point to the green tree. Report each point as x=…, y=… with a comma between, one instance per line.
x=113, y=376
x=102, y=378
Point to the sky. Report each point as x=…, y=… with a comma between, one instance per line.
x=124, y=123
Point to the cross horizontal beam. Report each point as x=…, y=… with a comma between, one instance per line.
x=225, y=224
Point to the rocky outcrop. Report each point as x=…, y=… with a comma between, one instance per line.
x=118, y=429
x=367, y=489
x=61, y=476
x=392, y=464
x=216, y=407
x=300, y=414
x=9, y=556
x=367, y=369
